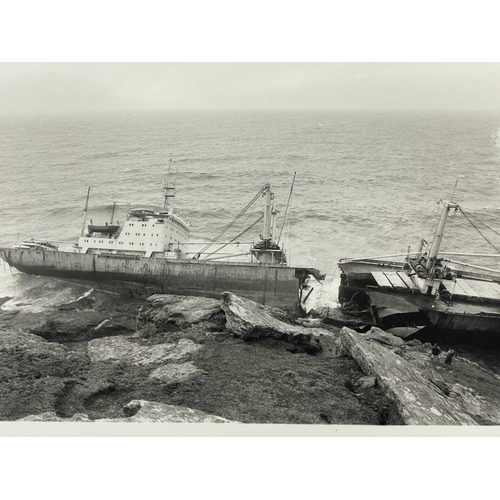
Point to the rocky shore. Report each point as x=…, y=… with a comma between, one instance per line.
x=107, y=358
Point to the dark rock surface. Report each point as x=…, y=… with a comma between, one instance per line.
x=182, y=365
x=93, y=315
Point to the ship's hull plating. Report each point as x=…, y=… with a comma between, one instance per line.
x=266, y=284
x=458, y=316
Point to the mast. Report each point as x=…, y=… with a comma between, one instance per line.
x=113, y=212
x=273, y=224
x=287, y=205
x=267, y=231
x=168, y=192
x=267, y=251
x=440, y=230
x=84, y=218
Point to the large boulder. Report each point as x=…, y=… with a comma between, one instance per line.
x=249, y=320
x=419, y=400
x=136, y=353
x=165, y=313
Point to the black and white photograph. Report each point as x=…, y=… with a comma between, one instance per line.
x=328, y=255
x=228, y=244
x=245, y=239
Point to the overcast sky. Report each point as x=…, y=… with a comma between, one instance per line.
x=76, y=87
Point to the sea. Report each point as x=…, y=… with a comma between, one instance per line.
x=367, y=183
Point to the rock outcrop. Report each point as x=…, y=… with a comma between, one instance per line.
x=184, y=355
x=124, y=349
x=92, y=315
x=249, y=320
x=168, y=312
x=416, y=386
x=141, y=411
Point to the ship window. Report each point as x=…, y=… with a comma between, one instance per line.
x=144, y=234
x=100, y=241
x=131, y=242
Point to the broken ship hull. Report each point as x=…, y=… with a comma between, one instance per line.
x=270, y=285
x=399, y=307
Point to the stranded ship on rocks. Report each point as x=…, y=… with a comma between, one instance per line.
x=149, y=253
x=425, y=289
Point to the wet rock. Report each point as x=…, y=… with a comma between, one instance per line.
x=173, y=374
x=85, y=301
x=167, y=312
x=91, y=315
x=123, y=349
x=60, y=326
x=249, y=320
x=418, y=400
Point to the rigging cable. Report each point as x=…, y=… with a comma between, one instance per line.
x=484, y=224
x=286, y=210
x=477, y=229
x=237, y=236
x=380, y=236
x=208, y=245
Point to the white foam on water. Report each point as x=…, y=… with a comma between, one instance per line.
x=324, y=294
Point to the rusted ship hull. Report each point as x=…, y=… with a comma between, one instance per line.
x=270, y=285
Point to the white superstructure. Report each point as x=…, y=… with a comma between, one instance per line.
x=147, y=233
